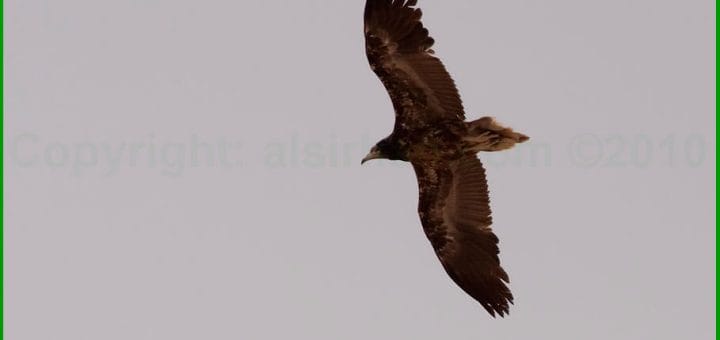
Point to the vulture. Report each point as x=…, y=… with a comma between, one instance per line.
x=431, y=133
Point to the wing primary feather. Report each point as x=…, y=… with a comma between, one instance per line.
x=398, y=47
x=455, y=212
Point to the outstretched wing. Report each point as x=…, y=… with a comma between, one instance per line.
x=398, y=49
x=455, y=213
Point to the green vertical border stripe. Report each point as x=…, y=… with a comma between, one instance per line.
x=2, y=177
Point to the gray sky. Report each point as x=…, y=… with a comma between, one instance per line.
x=184, y=169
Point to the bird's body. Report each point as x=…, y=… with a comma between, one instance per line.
x=431, y=133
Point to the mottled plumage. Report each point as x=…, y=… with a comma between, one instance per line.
x=430, y=132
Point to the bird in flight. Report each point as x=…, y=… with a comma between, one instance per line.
x=431, y=133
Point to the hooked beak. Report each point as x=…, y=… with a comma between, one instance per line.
x=374, y=154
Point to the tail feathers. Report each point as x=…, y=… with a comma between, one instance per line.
x=486, y=134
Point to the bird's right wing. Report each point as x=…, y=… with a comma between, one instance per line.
x=398, y=49
x=455, y=213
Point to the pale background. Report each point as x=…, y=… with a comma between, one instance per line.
x=190, y=170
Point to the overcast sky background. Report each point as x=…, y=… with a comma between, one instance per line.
x=191, y=170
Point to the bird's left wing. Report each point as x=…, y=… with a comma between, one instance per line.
x=455, y=212
x=398, y=49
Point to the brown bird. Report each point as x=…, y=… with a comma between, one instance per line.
x=431, y=133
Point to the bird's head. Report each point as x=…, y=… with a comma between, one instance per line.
x=384, y=149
